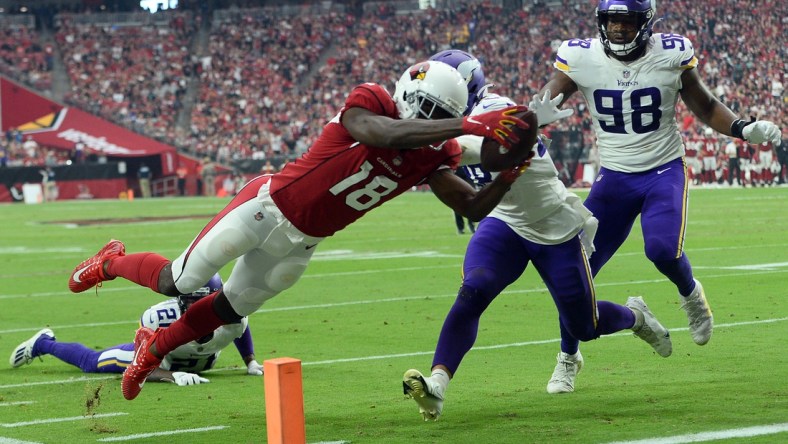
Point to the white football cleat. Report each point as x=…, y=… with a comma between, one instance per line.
x=23, y=353
x=566, y=370
x=701, y=321
x=651, y=331
x=428, y=396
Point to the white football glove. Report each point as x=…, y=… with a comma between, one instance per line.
x=183, y=378
x=254, y=369
x=547, y=110
x=762, y=131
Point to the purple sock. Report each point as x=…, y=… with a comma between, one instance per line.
x=679, y=271
x=613, y=318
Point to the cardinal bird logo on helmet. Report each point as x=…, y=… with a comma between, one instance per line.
x=419, y=71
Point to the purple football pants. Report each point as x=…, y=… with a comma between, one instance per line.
x=496, y=257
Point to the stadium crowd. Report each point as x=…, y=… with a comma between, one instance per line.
x=267, y=79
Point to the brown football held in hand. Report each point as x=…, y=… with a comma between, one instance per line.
x=494, y=157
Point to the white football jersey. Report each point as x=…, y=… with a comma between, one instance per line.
x=538, y=206
x=193, y=356
x=633, y=104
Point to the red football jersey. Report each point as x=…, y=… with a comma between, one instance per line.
x=338, y=179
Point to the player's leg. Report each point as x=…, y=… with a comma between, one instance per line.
x=495, y=258
x=459, y=222
x=217, y=244
x=110, y=360
x=663, y=221
x=567, y=275
x=615, y=200
x=271, y=262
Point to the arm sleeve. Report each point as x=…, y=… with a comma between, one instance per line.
x=244, y=343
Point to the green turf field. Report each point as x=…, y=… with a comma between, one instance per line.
x=371, y=305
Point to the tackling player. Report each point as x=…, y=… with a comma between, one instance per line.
x=182, y=366
x=374, y=149
x=537, y=222
x=631, y=79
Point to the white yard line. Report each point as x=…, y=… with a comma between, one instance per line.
x=165, y=433
x=4, y=440
x=8, y=404
x=405, y=355
x=53, y=420
x=744, y=432
x=36, y=328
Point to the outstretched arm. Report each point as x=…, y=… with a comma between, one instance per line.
x=246, y=350
x=381, y=131
x=719, y=117
x=703, y=104
x=464, y=199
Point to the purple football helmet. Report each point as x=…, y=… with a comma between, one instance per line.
x=643, y=10
x=186, y=300
x=471, y=70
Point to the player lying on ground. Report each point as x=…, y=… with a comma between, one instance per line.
x=182, y=366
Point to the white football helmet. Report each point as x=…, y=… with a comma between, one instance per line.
x=431, y=90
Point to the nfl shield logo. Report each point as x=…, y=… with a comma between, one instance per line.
x=626, y=74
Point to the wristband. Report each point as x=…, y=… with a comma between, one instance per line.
x=737, y=127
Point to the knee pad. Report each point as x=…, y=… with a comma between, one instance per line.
x=285, y=274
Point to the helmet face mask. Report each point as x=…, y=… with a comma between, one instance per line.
x=186, y=300
x=430, y=90
x=470, y=69
x=641, y=12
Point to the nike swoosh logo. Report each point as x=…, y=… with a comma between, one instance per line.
x=662, y=171
x=309, y=247
x=470, y=119
x=79, y=272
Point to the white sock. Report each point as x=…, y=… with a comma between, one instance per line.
x=638, y=319
x=441, y=378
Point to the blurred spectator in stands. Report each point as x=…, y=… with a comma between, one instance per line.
x=84, y=192
x=3, y=155
x=228, y=185
x=182, y=172
x=48, y=183
x=198, y=178
x=268, y=168
x=734, y=167
x=209, y=176
x=144, y=176
x=782, y=159
x=79, y=152
x=31, y=147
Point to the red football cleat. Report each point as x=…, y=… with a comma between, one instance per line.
x=91, y=271
x=142, y=366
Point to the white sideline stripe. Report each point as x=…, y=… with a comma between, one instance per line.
x=406, y=355
x=4, y=440
x=62, y=381
x=127, y=289
x=369, y=301
x=7, y=404
x=332, y=442
x=52, y=420
x=170, y=432
x=713, y=436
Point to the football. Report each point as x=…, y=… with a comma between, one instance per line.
x=494, y=157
